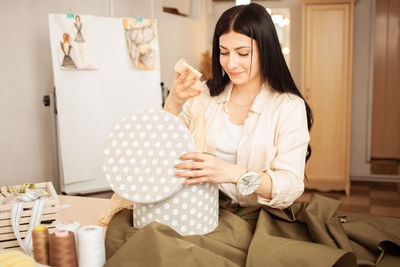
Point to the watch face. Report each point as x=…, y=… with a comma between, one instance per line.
x=248, y=183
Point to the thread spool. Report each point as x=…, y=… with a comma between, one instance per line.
x=71, y=226
x=91, y=246
x=62, y=249
x=40, y=242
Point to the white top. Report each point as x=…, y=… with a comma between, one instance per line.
x=226, y=149
x=274, y=140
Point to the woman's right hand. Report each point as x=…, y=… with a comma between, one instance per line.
x=181, y=91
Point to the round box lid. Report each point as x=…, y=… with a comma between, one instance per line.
x=140, y=155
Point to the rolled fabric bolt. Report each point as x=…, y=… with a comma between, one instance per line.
x=181, y=65
x=197, y=107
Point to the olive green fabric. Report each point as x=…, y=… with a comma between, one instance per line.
x=305, y=234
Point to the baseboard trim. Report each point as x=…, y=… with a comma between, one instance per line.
x=377, y=178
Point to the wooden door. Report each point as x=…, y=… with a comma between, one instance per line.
x=326, y=84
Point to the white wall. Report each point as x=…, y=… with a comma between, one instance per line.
x=362, y=87
x=26, y=75
x=25, y=132
x=26, y=150
x=180, y=37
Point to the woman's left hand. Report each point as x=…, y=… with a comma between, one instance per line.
x=207, y=168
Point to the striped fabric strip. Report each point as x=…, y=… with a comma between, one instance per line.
x=35, y=220
x=16, y=210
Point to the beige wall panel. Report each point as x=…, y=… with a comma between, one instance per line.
x=394, y=75
x=386, y=96
x=378, y=111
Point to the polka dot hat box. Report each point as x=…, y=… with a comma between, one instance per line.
x=139, y=159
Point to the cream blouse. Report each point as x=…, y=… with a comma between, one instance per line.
x=274, y=140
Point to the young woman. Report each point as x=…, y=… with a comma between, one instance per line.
x=257, y=122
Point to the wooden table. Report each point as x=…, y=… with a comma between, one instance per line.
x=84, y=210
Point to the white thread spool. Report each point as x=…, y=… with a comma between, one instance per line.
x=91, y=246
x=72, y=226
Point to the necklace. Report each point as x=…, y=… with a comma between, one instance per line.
x=240, y=105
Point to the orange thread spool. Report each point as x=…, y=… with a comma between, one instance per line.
x=62, y=249
x=40, y=242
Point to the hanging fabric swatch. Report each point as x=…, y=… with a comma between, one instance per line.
x=142, y=42
x=76, y=41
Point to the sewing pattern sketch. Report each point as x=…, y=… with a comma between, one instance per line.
x=67, y=61
x=76, y=35
x=142, y=42
x=78, y=26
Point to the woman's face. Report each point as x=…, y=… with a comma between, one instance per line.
x=235, y=58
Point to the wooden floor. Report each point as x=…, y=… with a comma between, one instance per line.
x=382, y=199
x=375, y=198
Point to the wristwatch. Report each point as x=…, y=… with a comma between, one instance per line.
x=248, y=183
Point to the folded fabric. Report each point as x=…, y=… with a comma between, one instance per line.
x=117, y=203
x=305, y=234
x=15, y=258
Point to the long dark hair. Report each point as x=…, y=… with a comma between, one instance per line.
x=254, y=21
